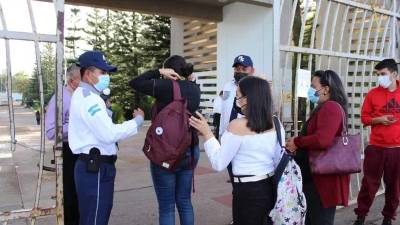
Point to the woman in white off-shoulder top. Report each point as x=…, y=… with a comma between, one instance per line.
x=250, y=143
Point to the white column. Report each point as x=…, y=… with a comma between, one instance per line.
x=245, y=29
x=176, y=36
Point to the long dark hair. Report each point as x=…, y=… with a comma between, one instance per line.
x=331, y=79
x=178, y=63
x=259, y=103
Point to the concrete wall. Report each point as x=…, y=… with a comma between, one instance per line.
x=176, y=36
x=245, y=29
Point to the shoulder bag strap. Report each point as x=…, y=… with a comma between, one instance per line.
x=176, y=90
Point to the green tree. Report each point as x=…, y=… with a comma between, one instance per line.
x=156, y=39
x=31, y=97
x=3, y=81
x=126, y=55
x=73, y=35
x=97, y=29
x=20, y=82
x=134, y=43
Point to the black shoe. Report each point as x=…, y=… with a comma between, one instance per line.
x=359, y=221
x=387, y=221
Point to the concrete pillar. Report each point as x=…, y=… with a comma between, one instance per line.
x=245, y=29
x=176, y=36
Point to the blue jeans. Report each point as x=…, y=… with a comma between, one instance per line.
x=95, y=193
x=175, y=188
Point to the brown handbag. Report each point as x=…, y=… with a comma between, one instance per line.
x=343, y=157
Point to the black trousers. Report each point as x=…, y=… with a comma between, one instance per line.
x=316, y=213
x=252, y=202
x=71, y=208
x=229, y=168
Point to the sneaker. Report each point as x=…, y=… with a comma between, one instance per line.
x=359, y=221
x=387, y=221
x=231, y=223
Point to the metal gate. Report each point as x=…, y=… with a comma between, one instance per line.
x=35, y=37
x=347, y=36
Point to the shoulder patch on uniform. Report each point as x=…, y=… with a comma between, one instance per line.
x=94, y=109
x=85, y=92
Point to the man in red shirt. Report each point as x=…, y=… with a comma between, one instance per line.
x=381, y=111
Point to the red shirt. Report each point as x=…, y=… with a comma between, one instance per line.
x=322, y=128
x=378, y=102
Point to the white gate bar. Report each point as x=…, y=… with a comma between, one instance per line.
x=292, y=15
x=353, y=21
x=383, y=40
x=9, y=84
x=329, y=53
x=276, y=60
x=371, y=70
x=59, y=8
x=40, y=80
x=59, y=40
x=302, y=29
x=325, y=25
x=313, y=31
x=367, y=41
x=25, y=36
x=368, y=7
x=26, y=213
x=360, y=35
x=393, y=32
x=344, y=22
x=334, y=23
x=366, y=49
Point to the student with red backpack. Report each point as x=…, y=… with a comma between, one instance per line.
x=171, y=145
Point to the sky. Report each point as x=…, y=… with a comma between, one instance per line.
x=17, y=19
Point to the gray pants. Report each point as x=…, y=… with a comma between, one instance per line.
x=316, y=213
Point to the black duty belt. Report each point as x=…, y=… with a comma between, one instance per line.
x=103, y=158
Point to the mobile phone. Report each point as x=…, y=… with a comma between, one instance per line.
x=195, y=114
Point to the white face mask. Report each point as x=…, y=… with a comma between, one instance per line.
x=384, y=81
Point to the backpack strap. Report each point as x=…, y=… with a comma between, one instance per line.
x=285, y=157
x=176, y=90
x=277, y=125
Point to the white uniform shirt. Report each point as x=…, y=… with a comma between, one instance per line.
x=256, y=154
x=217, y=104
x=228, y=96
x=90, y=125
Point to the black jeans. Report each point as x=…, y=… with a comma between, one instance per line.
x=316, y=213
x=71, y=209
x=252, y=202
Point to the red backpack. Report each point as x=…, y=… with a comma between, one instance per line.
x=169, y=135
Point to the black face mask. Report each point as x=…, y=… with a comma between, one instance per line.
x=238, y=76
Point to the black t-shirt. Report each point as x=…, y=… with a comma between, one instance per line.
x=150, y=83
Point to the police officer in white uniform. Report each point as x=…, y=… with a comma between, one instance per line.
x=92, y=135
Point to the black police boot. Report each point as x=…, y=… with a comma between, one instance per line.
x=387, y=221
x=360, y=221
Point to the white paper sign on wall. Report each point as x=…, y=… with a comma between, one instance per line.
x=303, y=82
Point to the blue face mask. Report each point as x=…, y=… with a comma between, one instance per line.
x=313, y=95
x=104, y=81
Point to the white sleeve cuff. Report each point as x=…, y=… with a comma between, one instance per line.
x=139, y=120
